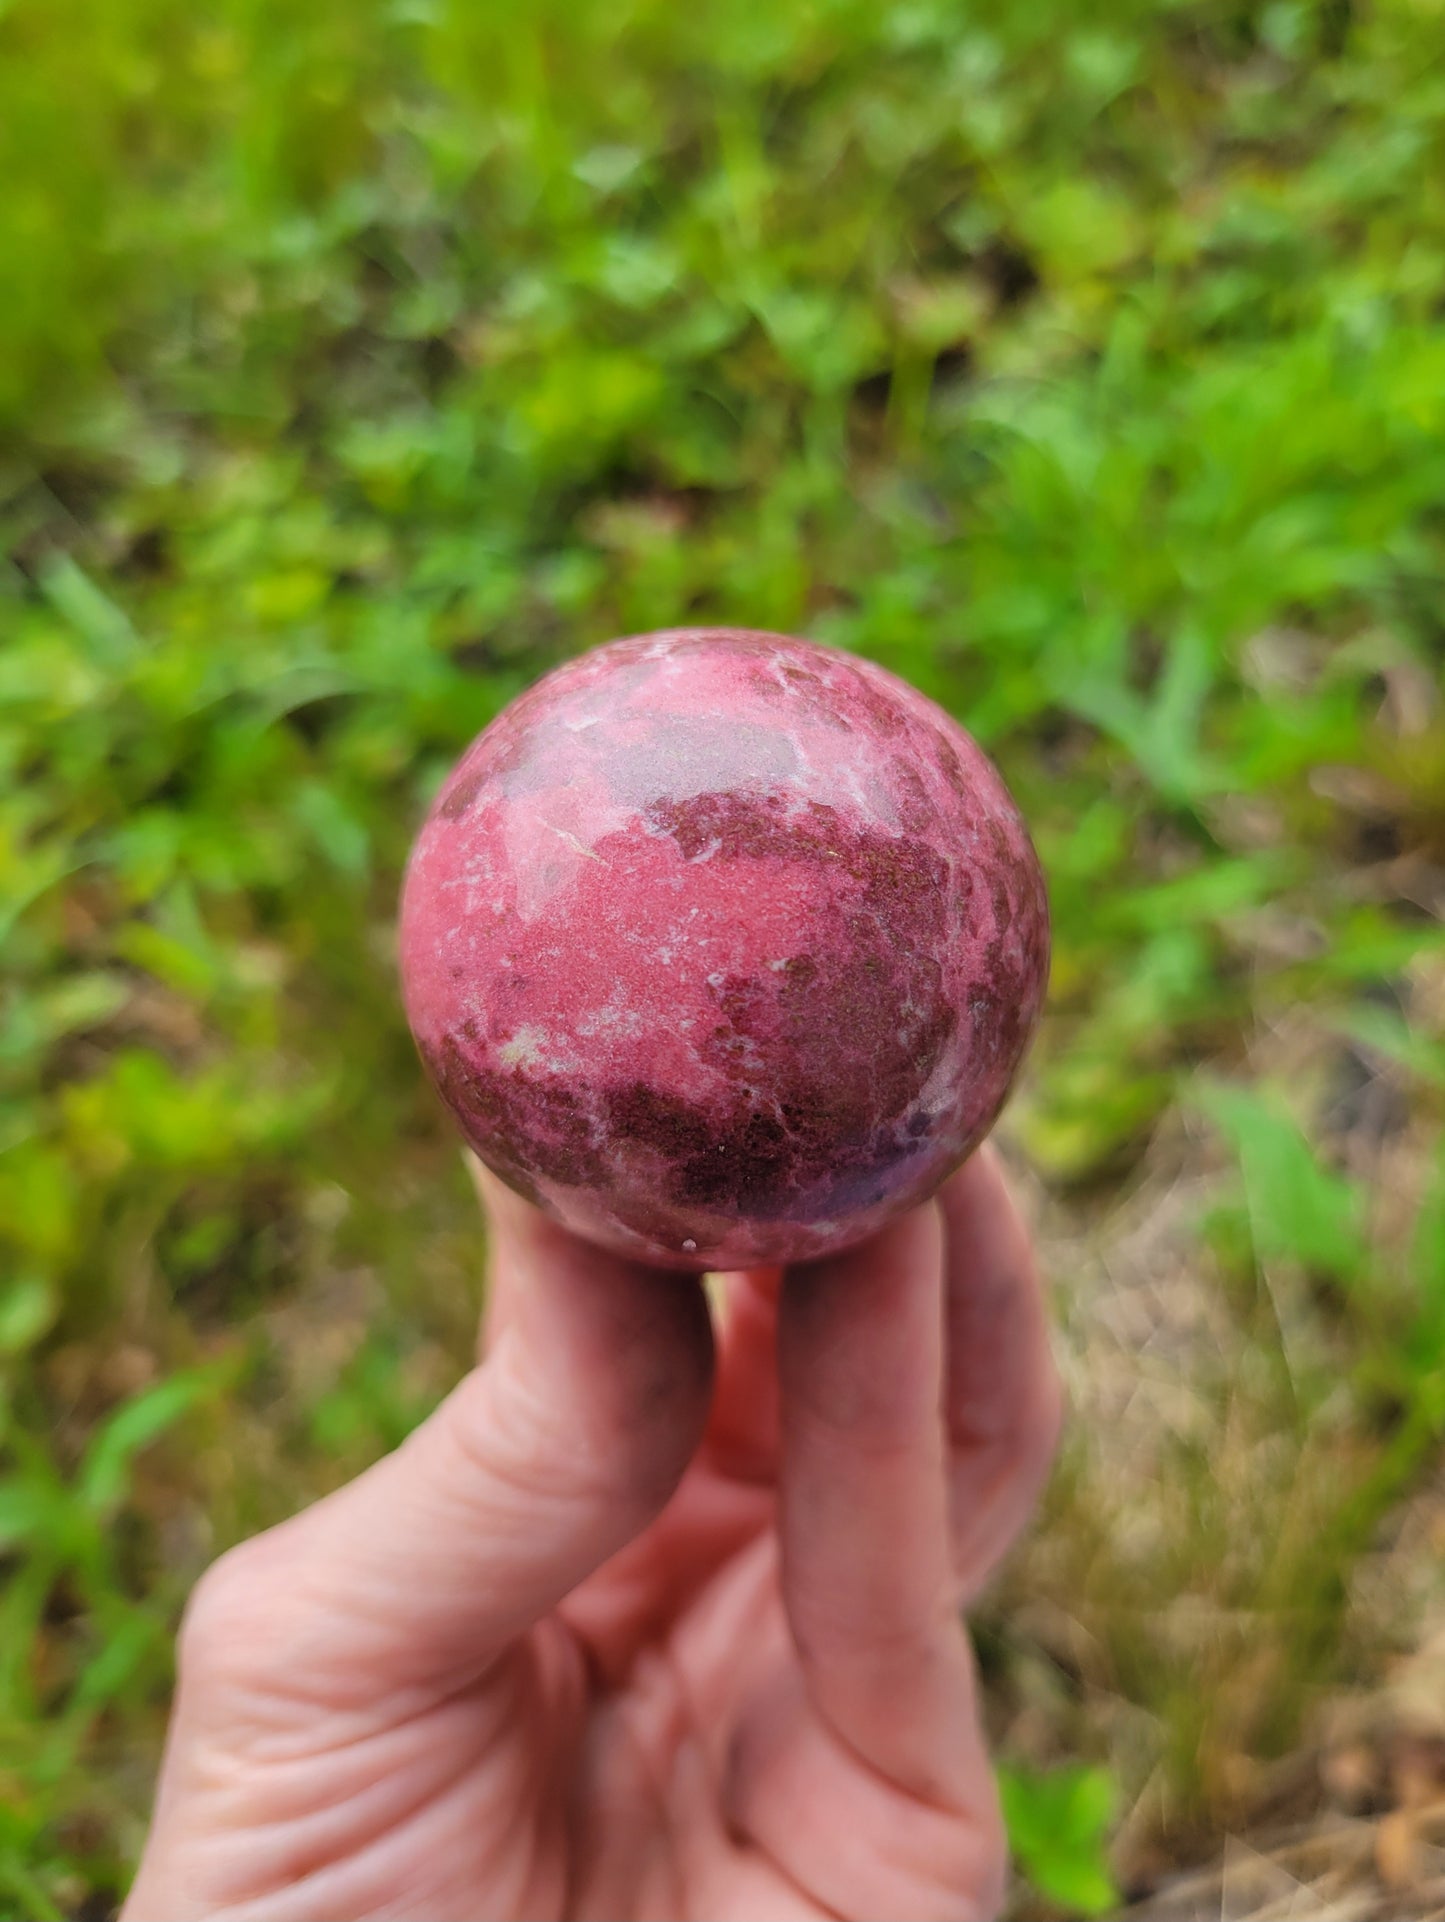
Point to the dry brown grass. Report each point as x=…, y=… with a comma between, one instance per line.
x=1230, y=1603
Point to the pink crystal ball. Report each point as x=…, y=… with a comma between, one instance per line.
x=723, y=947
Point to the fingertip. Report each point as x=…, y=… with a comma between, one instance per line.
x=981, y=1181
x=606, y=1411
x=842, y=1316
x=815, y=1287
x=625, y=1350
x=634, y=1341
x=984, y=1187
x=508, y=1214
x=480, y=1174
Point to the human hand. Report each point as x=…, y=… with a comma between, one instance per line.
x=629, y=1631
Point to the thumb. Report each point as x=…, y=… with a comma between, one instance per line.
x=540, y=1466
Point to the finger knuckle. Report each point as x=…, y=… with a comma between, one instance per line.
x=963, y=1873
x=225, y=1612
x=977, y=1888
x=985, y=1900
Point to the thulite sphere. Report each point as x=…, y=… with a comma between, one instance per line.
x=723, y=947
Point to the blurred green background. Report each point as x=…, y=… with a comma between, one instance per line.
x=358, y=361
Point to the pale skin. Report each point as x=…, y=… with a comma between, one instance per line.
x=650, y=1620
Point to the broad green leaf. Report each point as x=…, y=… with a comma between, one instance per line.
x=1298, y=1208
x=32, y=1902
x=133, y=1427
x=28, y=1308
x=1058, y=1826
x=28, y=1510
x=91, y=612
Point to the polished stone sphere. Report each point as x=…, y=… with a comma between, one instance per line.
x=723, y=947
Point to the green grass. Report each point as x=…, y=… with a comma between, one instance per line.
x=357, y=362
